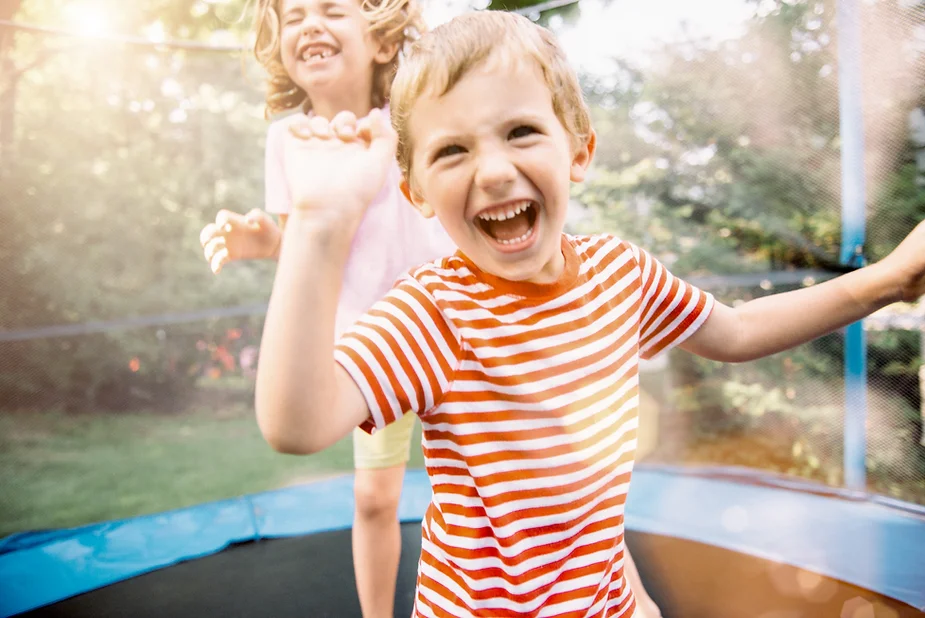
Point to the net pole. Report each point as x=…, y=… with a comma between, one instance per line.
x=853, y=211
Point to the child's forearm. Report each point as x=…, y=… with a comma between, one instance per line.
x=296, y=386
x=782, y=321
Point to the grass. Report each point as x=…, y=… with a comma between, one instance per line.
x=59, y=470
x=62, y=470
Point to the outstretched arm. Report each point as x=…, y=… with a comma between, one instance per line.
x=779, y=322
x=305, y=401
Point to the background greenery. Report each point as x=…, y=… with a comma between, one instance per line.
x=721, y=158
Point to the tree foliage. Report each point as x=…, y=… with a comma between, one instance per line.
x=718, y=158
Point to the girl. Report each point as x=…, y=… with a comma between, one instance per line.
x=324, y=57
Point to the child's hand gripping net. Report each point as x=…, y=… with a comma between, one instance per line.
x=337, y=168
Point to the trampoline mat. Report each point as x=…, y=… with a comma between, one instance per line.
x=312, y=576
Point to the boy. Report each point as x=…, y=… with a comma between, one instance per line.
x=520, y=352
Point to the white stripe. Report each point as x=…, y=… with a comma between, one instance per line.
x=504, y=560
x=425, y=321
x=544, y=411
x=559, y=378
x=536, y=345
x=619, y=444
x=599, y=486
x=360, y=380
x=365, y=329
x=556, y=318
x=691, y=329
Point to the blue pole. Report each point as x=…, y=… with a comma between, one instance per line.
x=853, y=229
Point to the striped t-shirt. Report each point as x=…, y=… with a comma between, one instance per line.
x=528, y=398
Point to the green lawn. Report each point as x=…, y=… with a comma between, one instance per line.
x=59, y=470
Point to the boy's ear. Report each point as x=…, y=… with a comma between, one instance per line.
x=417, y=201
x=386, y=52
x=582, y=158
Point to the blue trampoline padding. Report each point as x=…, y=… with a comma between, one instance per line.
x=95, y=556
x=859, y=542
x=329, y=504
x=866, y=544
x=44, y=567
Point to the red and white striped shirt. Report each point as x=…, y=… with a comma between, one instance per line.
x=528, y=397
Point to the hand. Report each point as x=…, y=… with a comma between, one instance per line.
x=232, y=237
x=337, y=168
x=907, y=264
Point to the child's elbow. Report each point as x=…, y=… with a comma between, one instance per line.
x=283, y=438
x=281, y=443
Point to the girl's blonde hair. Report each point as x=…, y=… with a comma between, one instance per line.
x=390, y=21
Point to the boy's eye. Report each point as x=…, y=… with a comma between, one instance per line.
x=522, y=131
x=448, y=151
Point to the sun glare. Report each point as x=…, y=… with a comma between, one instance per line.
x=89, y=21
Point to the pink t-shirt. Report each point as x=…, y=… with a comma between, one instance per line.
x=392, y=238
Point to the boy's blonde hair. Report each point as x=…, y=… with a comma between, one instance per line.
x=390, y=21
x=440, y=58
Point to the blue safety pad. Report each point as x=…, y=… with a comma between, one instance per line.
x=94, y=556
x=863, y=543
x=859, y=542
x=328, y=505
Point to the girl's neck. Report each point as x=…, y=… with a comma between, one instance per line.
x=330, y=106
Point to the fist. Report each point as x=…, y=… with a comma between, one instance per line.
x=239, y=237
x=335, y=169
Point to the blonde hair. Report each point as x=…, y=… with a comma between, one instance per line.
x=440, y=58
x=391, y=21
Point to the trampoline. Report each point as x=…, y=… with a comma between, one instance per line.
x=707, y=545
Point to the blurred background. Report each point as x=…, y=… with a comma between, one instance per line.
x=127, y=368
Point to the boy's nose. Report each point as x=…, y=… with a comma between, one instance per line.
x=495, y=172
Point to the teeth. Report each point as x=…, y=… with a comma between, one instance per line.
x=516, y=240
x=510, y=213
x=321, y=54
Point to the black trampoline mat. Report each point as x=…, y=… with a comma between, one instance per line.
x=312, y=576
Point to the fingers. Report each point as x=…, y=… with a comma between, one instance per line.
x=377, y=131
x=214, y=246
x=256, y=218
x=218, y=260
x=320, y=127
x=216, y=253
x=213, y=235
x=207, y=233
x=314, y=127
x=344, y=126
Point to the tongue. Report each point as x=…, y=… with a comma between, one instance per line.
x=509, y=229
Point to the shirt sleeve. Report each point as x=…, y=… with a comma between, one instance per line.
x=276, y=189
x=672, y=309
x=402, y=354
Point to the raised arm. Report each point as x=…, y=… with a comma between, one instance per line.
x=779, y=322
x=305, y=402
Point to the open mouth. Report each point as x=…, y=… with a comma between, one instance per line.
x=511, y=224
x=314, y=53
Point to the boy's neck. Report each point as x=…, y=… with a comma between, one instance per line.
x=330, y=106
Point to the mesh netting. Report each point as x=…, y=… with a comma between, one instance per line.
x=127, y=368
